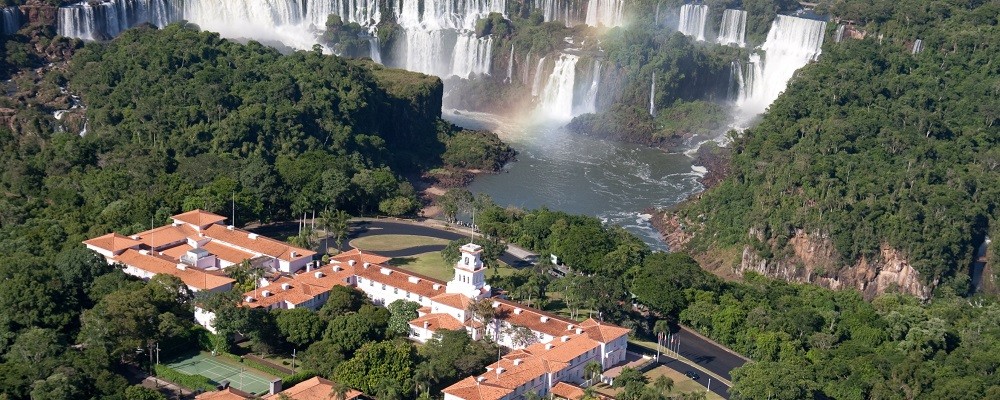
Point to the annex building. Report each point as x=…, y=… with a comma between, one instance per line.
x=545, y=349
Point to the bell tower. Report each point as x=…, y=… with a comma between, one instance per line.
x=470, y=277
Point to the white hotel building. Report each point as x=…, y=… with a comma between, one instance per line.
x=197, y=247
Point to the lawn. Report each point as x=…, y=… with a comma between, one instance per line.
x=433, y=265
x=378, y=243
x=682, y=384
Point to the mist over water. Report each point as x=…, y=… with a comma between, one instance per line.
x=581, y=175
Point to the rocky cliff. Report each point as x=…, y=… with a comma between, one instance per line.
x=806, y=258
x=39, y=13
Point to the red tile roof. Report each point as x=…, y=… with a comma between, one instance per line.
x=534, y=319
x=470, y=389
x=453, y=300
x=315, y=388
x=226, y=253
x=360, y=257
x=226, y=394
x=437, y=321
x=259, y=244
x=404, y=280
x=191, y=276
x=601, y=332
x=112, y=242
x=199, y=218
x=165, y=235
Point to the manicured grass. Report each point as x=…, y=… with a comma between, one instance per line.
x=427, y=264
x=682, y=384
x=378, y=243
x=433, y=265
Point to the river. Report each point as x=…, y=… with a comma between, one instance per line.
x=581, y=175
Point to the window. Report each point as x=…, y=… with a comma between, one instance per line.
x=383, y=286
x=395, y=290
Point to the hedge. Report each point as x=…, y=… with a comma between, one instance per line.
x=189, y=381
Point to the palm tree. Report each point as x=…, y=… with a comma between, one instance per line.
x=339, y=391
x=663, y=384
x=592, y=370
x=483, y=311
x=335, y=223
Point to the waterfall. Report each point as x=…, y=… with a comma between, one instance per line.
x=693, y=20
x=652, y=96
x=791, y=44
x=510, y=65
x=565, y=11
x=472, y=55
x=605, y=12
x=733, y=28
x=589, y=105
x=557, y=96
x=918, y=46
x=839, y=35
x=107, y=19
x=537, y=82
x=436, y=35
x=374, y=51
x=656, y=17
x=11, y=21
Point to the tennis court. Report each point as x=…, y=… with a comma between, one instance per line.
x=218, y=370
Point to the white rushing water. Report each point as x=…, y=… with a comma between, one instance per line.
x=791, y=44
x=652, y=96
x=472, y=55
x=510, y=65
x=108, y=18
x=918, y=46
x=732, y=31
x=839, y=35
x=437, y=35
x=609, y=13
x=536, y=83
x=11, y=20
x=556, y=100
x=589, y=102
x=692, y=21
x=374, y=51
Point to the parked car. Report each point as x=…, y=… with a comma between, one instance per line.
x=692, y=375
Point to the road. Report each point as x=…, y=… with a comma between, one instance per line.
x=706, y=354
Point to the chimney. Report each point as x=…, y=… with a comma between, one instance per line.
x=181, y=266
x=548, y=346
x=366, y=265
x=294, y=254
x=565, y=339
x=309, y=267
x=230, y=227
x=265, y=293
x=579, y=331
x=569, y=327
x=499, y=370
x=517, y=311
x=480, y=379
x=252, y=236
x=425, y=324
x=249, y=299
x=286, y=286
x=318, y=274
x=544, y=319
x=351, y=262
x=437, y=286
x=336, y=268
x=144, y=252
x=517, y=361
